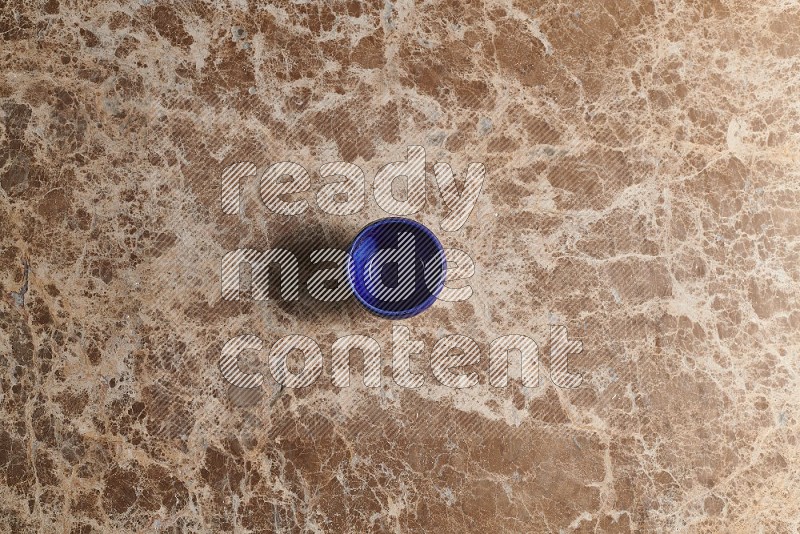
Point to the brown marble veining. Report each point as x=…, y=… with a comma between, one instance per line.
x=642, y=189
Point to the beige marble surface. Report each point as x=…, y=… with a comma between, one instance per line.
x=642, y=189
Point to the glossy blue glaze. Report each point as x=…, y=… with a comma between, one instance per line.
x=382, y=265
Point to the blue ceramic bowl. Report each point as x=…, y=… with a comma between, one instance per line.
x=396, y=268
